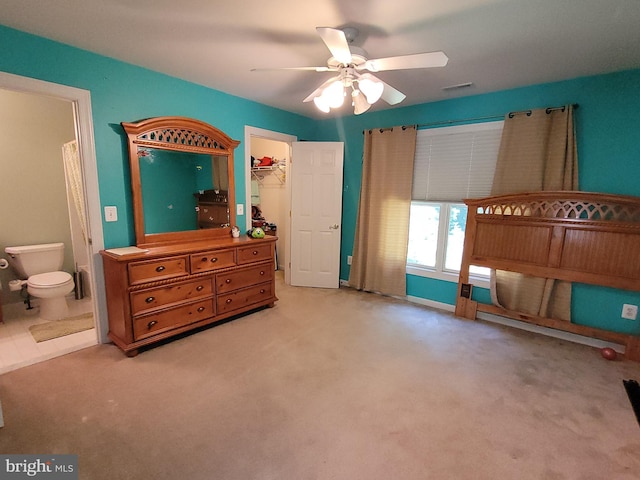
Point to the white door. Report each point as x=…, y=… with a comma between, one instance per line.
x=316, y=213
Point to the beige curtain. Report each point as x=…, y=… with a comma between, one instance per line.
x=380, y=250
x=537, y=152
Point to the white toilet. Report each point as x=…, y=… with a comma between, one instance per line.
x=39, y=268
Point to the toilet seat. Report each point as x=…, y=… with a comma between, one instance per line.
x=49, y=280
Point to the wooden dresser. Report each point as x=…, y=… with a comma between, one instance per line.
x=172, y=289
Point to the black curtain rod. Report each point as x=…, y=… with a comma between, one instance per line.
x=476, y=119
x=390, y=129
x=548, y=110
x=462, y=120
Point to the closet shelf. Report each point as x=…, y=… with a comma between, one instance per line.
x=260, y=172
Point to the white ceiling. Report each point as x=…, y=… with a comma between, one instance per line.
x=496, y=44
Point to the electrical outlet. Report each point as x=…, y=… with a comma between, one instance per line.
x=630, y=312
x=349, y=259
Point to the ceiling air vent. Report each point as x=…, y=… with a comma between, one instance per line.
x=457, y=87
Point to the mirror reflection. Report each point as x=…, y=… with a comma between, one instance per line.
x=183, y=191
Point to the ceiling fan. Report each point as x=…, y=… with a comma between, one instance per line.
x=352, y=67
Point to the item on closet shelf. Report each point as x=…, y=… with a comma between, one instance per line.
x=256, y=213
x=270, y=228
x=265, y=162
x=255, y=192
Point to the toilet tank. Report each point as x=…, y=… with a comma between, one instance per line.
x=29, y=260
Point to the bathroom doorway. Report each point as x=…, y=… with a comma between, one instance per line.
x=37, y=195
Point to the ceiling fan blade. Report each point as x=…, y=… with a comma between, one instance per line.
x=389, y=94
x=336, y=42
x=312, y=69
x=317, y=91
x=403, y=62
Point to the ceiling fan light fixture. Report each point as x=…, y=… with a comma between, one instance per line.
x=321, y=104
x=360, y=104
x=371, y=88
x=333, y=95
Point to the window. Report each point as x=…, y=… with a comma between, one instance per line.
x=451, y=164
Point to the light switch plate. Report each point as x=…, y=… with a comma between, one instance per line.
x=110, y=214
x=240, y=209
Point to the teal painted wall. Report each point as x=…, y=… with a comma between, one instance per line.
x=123, y=92
x=607, y=128
x=607, y=122
x=171, y=208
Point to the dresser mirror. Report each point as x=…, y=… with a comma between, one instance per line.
x=182, y=180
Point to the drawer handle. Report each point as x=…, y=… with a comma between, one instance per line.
x=200, y=309
x=160, y=268
x=151, y=324
x=228, y=280
x=204, y=259
x=262, y=290
x=199, y=287
x=261, y=272
x=229, y=301
x=149, y=299
x=255, y=252
x=214, y=259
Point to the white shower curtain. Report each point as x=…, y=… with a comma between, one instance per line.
x=73, y=172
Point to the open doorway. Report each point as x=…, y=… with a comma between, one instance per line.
x=267, y=162
x=50, y=105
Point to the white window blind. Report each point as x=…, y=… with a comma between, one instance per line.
x=454, y=163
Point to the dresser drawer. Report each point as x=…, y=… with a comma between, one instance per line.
x=141, y=272
x=245, y=297
x=228, y=281
x=213, y=260
x=150, y=299
x=148, y=325
x=255, y=253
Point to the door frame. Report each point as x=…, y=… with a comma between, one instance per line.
x=249, y=132
x=83, y=119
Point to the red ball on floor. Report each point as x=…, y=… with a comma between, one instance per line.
x=608, y=353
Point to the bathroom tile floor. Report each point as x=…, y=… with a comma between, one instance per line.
x=18, y=348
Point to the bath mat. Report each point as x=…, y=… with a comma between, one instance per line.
x=59, y=328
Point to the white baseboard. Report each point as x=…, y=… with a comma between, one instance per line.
x=550, y=332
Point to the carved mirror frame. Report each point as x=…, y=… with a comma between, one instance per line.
x=179, y=134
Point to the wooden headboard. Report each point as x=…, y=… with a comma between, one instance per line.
x=575, y=236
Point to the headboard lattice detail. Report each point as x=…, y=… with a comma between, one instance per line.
x=183, y=137
x=567, y=209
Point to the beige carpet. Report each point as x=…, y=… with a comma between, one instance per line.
x=60, y=328
x=332, y=384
